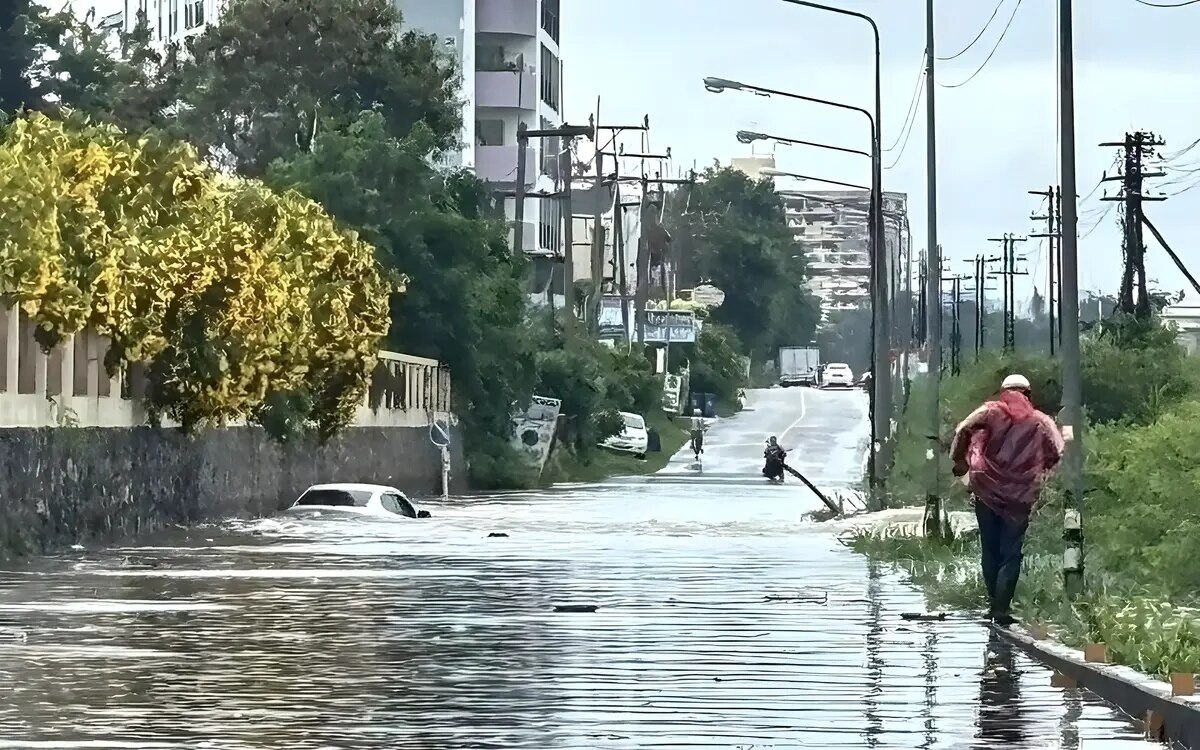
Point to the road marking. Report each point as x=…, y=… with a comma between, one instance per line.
x=799, y=419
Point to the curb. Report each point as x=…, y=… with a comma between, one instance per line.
x=1145, y=699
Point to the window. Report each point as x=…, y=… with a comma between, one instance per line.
x=489, y=132
x=550, y=74
x=550, y=227
x=398, y=504
x=173, y=19
x=634, y=422
x=193, y=14
x=335, y=498
x=550, y=11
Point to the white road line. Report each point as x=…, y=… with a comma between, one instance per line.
x=799, y=419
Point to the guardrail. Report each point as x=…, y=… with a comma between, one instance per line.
x=69, y=386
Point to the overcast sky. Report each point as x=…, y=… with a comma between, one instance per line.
x=1136, y=67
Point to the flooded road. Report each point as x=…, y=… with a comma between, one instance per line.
x=724, y=620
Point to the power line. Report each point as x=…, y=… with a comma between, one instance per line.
x=978, y=36
x=1168, y=5
x=911, y=124
x=912, y=104
x=993, y=52
x=1099, y=221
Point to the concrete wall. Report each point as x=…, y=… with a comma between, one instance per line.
x=77, y=463
x=61, y=486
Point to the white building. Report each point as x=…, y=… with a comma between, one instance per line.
x=172, y=21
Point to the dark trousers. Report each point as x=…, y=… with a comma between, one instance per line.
x=1001, y=539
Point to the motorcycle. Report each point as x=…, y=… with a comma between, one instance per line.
x=773, y=468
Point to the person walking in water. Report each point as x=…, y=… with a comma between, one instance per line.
x=1006, y=449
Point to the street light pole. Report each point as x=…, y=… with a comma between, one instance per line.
x=882, y=406
x=880, y=393
x=1072, y=421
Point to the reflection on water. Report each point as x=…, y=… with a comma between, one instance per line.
x=724, y=620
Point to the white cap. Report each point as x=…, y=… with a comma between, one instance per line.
x=1015, y=382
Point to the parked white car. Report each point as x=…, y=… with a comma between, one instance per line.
x=633, y=438
x=838, y=375
x=356, y=499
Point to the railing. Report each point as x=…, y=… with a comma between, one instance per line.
x=69, y=386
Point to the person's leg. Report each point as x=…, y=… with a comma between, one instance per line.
x=988, y=543
x=1010, y=558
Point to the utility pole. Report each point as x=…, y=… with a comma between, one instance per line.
x=619, y=275
x=934, y=514
x=978, y=276
x=519, y=209
x=922, y=321
x=1137, y=146
x=1072, y=416
x=955, y=322
x=1052, y=235
x=1007, y=275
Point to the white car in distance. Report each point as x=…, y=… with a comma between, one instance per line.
x=356, y=499
x=838, y=375
x=633, y=437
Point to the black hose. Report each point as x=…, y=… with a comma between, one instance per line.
x=828, y=503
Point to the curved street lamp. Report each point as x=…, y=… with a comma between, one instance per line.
x=881, y=411
x=747, y=137
x=798, y=176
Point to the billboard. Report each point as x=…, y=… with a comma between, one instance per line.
x=670, y=327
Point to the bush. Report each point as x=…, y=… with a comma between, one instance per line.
x=717, y=363
x=237, y=298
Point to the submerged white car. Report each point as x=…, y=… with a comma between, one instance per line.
x=357, y=499
x=838, y=375
x=633, y=437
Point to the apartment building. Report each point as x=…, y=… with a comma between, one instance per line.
x=172, y=21
x=832, y=229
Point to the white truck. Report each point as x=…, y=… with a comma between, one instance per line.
x=798, y=365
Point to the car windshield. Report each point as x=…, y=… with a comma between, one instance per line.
x=336, y=498
x=398, y=504
x=634, y=422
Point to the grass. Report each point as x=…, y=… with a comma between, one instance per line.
x=597, y=464
x=1141, y=629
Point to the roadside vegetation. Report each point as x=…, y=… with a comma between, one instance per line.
x=296, y=141
x=1141, y=519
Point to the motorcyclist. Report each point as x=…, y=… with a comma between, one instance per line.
x=697, y=427
x=774, y=456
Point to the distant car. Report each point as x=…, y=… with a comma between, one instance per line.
x=357, y=499
x=838, y=375
x=633, y=437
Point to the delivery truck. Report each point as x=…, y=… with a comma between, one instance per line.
x=798, y=365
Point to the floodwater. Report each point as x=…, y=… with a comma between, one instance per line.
x=724, y=620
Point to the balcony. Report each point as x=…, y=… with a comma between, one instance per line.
x=507, y=17
x=515, y=89
x=499, y=164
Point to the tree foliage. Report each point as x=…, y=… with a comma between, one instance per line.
x=733, y=233
x=268, y=72
x=228, y=292
x=464, y=303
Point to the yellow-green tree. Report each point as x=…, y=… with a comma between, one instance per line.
x=233, y=295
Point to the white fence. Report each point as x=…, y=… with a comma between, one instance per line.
x=405, y=391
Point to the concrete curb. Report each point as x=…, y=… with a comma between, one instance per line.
x=1131, y=691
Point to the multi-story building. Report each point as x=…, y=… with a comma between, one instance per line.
x=172, y=21
x=832, y=228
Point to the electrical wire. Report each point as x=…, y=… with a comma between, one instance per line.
x=912, y=104
x=990, y=54
x=1169, y=5
x=978, y=36
x=911, y=124
x=1099, y=221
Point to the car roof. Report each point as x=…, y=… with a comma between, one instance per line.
x=352, y=487
x=839, y=365
x=631, y=414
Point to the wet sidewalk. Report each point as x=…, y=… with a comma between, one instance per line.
x=724, y=620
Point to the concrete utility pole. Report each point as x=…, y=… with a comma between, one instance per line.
x=523, y=137
x=1052, y=235
x=934, y=515
x=1137, y=147
x=1007, y=275
x=1072, y=415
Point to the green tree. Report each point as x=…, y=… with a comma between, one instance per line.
x=266, y=74
x=732, y=232
x=24, y=41
x=464, y=301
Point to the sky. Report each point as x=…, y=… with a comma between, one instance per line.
x=1135, y=67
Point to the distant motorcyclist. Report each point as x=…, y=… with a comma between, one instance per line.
x=698, y=427
x=774, y=456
